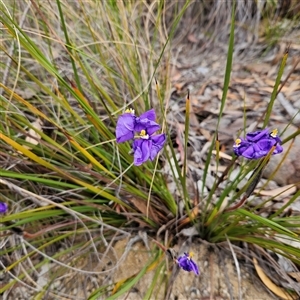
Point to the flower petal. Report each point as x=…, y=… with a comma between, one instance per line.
x=186, y=263
x=258, y=144
x=194, y=267
x=253, y=152
x=257, y=135
x=278, y=149
x=266, y=144
x=158, y=142
x=240, y=147
x=146, y=124
x=125, y=127
x=150, y=115
x=141, y=148
x=146, y=121
x=183, y=262
x=3, y=207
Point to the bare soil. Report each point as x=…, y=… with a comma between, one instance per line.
x=218, y=279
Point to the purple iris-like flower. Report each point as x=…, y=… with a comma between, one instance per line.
x=128, y=124
x=3, y=208
x=147, y=147
x=258, y=144
x=186, y=263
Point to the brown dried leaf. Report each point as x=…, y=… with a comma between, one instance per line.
x=175, y=74
x=193, y=118
x=233, y=96
x=192, y=38
x=141, y=205
x=222, y=155
x=243, y=81
x=294, y=86
x=295, y=275
x=179, y=141
x=270, y=82
x=283, y=191
x=269, y=284
x=206, y=133
x=258, y=67
x=267, y=89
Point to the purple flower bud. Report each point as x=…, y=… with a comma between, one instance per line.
x=3, y=207
x=258, y=144
x=186, y=263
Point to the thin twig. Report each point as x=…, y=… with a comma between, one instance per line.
x=238, y=271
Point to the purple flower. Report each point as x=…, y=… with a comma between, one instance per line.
x=147, y=122
x=146, y=147
x=258, y=144
x=128, y=124
x=186, y=263
x=3, y=208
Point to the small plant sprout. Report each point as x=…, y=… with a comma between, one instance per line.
x=146, y=145
x=186, y=263
x=258, y=144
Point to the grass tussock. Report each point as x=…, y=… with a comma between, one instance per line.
x=69, y=70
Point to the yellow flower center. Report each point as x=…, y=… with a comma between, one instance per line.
x=274, y=133
x=129, y=111
x=191, y=254
x=238, y=142
x=144, y=135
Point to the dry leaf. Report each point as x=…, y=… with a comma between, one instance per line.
x=179, y=141
x=193, y=215
x=179, y=86
x=205, y=133
x=270, y=285
x=33, y=137
x=141, y=205
x=270, y=82
x=294, y=86
x=175, y=74
x=233, y=96
x=193, y=118
x=192, y=38
x=222, y=155
x=258, y=67
x=243, y=81
x=295, y=275
x=283, y=191
x=267, y=89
